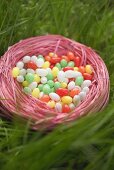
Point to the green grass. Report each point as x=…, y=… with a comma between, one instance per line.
x=88, y=143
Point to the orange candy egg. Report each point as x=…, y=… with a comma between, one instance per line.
x=45, y=98
x=65, y=57
x=82, y=69
x=70, y=55
x=47, y=58
x=74, y=92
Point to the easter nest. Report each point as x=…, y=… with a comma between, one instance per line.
x=14, y=102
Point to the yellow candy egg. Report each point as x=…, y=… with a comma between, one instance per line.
x=51, y=104
x=88, y=69
x=66, y=99
x=36, y=78
x=46, y=64
x=55, y=71
x=15, y=72
x=63, y=85
x=76, y=69
x=25, y=83
x=36, y=92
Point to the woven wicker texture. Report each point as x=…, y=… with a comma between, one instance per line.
x=14, y=101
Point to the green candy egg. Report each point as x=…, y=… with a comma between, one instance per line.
x=58, y=65
x=27, y=90
x=46, y=89
x=40, y=86
x=50, y=83
x=41, y=56
x=70, y=64
x=29, y=77
x=52, y=90
x=50, y=76
x=79, y=80
x=57, y=85
x=63, y=63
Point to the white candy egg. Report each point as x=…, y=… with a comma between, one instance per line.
x=44, y=80
x=34, y=59
x=40, y=62
x=41, y=95
x=86, y=83
x=54, y=96
x=76, y=100
x=69, y=74
x=71, y=85
x=26, y=59
x=77, y=74
x=85, y=89
x=82, y=95
x=72, y=106
x=61, y=76
x=29, y=70
x=20, y=64
x=65, y=80
x=20, y=79
x=58, y=107
x=22, y=72
x=41, y=72
x=33, y=85
x=49, y=70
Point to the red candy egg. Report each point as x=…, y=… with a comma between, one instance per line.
x=68, y=68
x=70, y=55
x=77, y=61
x=55, y=60
x=87, y=76
x=31, y=65
x=65, y=108
x=62, y=92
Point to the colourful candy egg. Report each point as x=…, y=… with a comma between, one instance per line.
x=46, y=89
x=58, y=107
x=40, y=62
x=55, y=71
x=79, y=80
x=74, y=92
x=46, y=64
x=41, y=72
x=63, y=63
x=29, y=77
x=33, y=85
x=71, y=85
x=20, y=79
x=36, y=92
x=31, y=65
x=26, y=59
x=15, y=72
x=45, y=98
x=54, y=96
x=62, y=92
x=20, y=65
x=88, y=69
x=51, y=104
x=66, y=108
x=66, y=99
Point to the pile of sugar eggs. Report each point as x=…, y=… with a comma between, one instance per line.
x=61, y=82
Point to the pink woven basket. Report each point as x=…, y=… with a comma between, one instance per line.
x=14, y=101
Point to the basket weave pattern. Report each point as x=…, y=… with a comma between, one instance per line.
x=14, y=101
